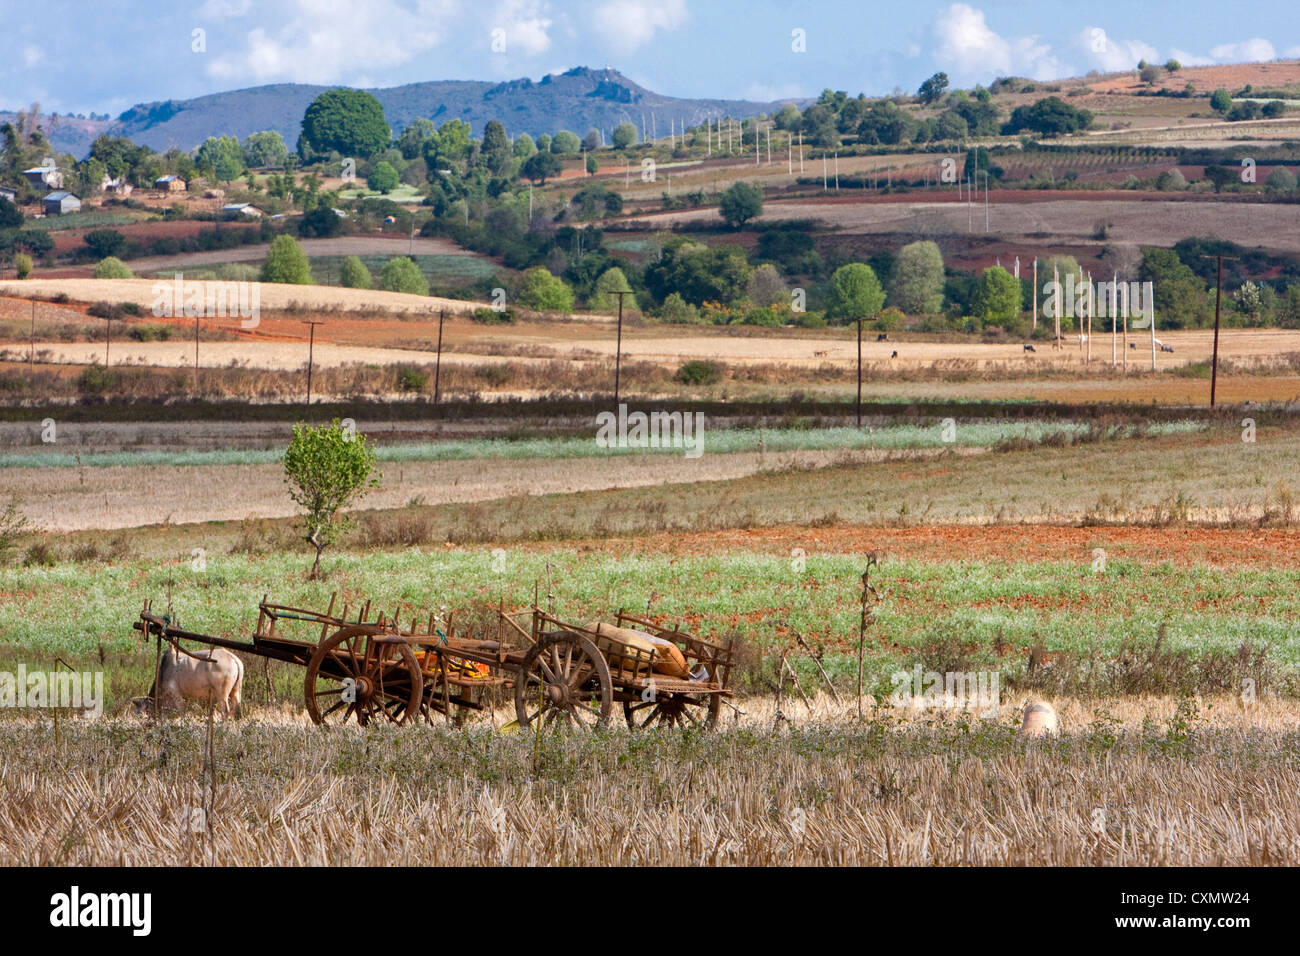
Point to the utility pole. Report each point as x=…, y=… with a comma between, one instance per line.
x=1056, y=281
x=1218, y=296
x=196, y=356
x=1114, y=319
x=108, y=325
x=859, y=405
x=618, y=348
x=437, y=364
x=33, y=358
x=1092, y=306
x=1035, y=328
x=311, y=347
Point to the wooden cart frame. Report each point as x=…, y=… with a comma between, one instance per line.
x=559, y=673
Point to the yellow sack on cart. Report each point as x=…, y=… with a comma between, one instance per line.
x=669, y=659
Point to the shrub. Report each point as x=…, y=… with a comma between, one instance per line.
x=150, y=332
x=23, y=263
x=286, y=262
x=766, y=316
x=1281, y=180
x=13, y=524
x=112, y=268
x=493, y=316
x=96, y=378
x=411, y=379
x=403, y=275
x=545, y=292
x=699, y=372
x=354, y=274
x=678, y=311
x=105, y=310
x=889, y=320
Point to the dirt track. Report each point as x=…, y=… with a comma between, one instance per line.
x=70, y=499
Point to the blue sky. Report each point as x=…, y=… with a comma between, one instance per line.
x=106, y=56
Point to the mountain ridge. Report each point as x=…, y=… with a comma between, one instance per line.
x=578, y=99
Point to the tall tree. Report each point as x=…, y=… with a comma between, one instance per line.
x=855, y=292
x=933, y=88
x=350, y=122
x=916, y=283
x=496, y=153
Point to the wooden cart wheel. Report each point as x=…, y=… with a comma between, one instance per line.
x=352, y=674
x=564, y=679
x=673, y=710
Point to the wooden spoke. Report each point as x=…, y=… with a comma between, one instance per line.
x=384, y=682
x=563, y=679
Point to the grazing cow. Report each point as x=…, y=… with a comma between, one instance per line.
x=894, y=354
x=1132, y=345
x=818, y=353
x=882, y=337
x=1166, y=348
x=1040, y=720
x=215, y=675
x=1030, y=348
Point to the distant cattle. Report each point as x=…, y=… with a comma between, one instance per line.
x=1030, y=348
x=818, y=353
x=214, y=675
x=882, y=337
x=1166, y=348
x=894, y=354
x=1132, y=345
x=1039, y=721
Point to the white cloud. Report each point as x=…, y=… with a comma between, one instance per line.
x=1101, y=51
x=630, y=24
x=32, y=55
x=526, y=25
x=327, y=42
x=224, y=9
x=1293, y=52
x=969, y=49
x=1190, y=59
x=1254, y=50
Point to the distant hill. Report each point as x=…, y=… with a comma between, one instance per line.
x=577, y=100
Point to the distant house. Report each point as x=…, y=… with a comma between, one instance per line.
x=169, y=184
x=44, y=177
x=56, y=204
x=10, y=194
x=242, y=208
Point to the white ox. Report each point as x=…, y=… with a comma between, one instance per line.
x=215, y=675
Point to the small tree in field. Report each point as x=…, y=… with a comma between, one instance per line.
x=740, y=203
x=112, y=268
x=286, y=262
x=354, y=274
x=328, y=469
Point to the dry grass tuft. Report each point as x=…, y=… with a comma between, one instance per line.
x=1146, y=782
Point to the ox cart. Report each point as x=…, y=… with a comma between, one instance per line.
x=375, y=670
